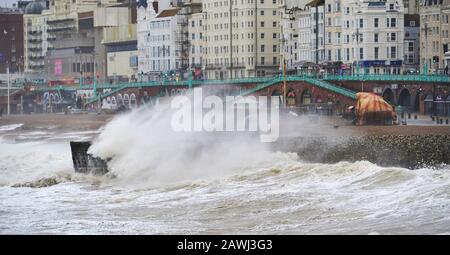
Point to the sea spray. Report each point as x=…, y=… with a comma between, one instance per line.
x=145, y=150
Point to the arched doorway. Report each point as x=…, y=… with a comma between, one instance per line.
x=306, y=97
x=119, y=100
x=417, y=102
x=404, y=99
x=338, y=107
x=388, y=96
x=428, y=101
x=291, y=98
x=133, y=101
x=126, y=100
x=113, y=103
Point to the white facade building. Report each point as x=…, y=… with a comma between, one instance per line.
x=160, y=40
x=373, y=35
x=355, y=36
x=196, y=40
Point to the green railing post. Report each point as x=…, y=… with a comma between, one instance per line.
x=190, y=80
x=95, y=86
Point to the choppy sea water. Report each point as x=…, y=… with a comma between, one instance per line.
x=277, y=194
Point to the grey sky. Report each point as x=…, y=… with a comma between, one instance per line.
x=8, y=3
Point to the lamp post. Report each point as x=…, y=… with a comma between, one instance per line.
x=231, y=39
x=8, y=90
x=425, y=66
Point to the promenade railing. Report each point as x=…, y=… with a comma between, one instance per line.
x=387, y=77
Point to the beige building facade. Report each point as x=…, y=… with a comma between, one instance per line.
x=434, y=36
x=241, y=38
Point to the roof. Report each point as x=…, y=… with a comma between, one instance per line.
x=315, y=3
x=412, y=17
x=168, y=13
x=34, y=8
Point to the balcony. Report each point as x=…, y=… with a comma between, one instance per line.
x=34, y=32
x=61, y=20
x=34, y=40
x=74, y=42
x=35, y=49
x=58, y=29
x=225, y=66
x=112, y=35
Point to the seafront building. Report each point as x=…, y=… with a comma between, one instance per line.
x=11, y=40
x=350, y=36
x=434, y=36
x=241, y=38
x=64, y=41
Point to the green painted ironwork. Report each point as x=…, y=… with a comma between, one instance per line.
x=263, y=82
x=385, y=77
x=318, y=83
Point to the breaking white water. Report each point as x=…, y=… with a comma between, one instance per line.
x=166, y=183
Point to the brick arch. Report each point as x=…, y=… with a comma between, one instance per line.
x=404, y=97
x=306, y=96
x=389, y=95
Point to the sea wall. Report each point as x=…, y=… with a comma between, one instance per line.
x=409, y=151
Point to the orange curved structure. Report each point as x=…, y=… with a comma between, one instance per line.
x=373, y=109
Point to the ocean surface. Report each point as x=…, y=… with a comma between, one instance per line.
x=158, y=186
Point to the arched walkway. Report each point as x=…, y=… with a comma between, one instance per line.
x=417, y=102
x=404, y=99
x=126, y=100
x=306, y=97
x=133, y=101
x=291, y=98
x=388, y=96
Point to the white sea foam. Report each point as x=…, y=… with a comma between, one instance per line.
x=171, y=183
x=10, y=127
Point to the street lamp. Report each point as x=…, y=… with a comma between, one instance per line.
x=425, y=66
x=357, y=36
x=9, y=88
x=231, y=37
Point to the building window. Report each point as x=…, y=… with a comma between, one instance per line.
x=375, y=37
x=262, y=35
x=376, y=22
x=361, y=53
x=393, y=37
x=274, y=48
x=262, y=60
x=262, y=23
x=376, y=53
x=393, y=22
x=262, y=48
x=411, y=46
x=393, y=52
x=274, y=36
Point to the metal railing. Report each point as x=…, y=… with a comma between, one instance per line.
x=387, y=77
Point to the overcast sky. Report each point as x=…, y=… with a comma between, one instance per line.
x=8, y=3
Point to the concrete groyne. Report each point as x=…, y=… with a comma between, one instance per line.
x=409, y=151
